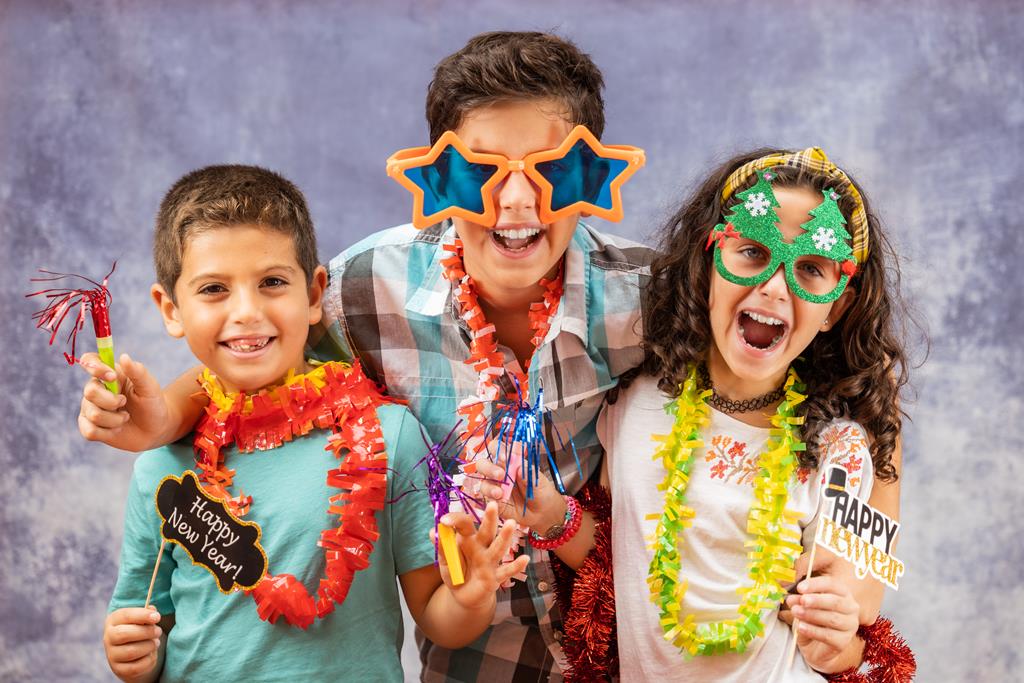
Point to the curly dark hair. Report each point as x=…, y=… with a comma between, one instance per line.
x=856, y=369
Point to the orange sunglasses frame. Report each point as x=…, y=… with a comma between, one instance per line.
x=414, y=157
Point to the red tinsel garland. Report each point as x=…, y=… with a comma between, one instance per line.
x=332, y=396
x=586, y=598
x=886, y=652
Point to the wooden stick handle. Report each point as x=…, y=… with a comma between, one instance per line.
x=796, y=622
x=156, y=566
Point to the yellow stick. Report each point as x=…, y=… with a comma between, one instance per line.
x=450, y=548
x=156, y=566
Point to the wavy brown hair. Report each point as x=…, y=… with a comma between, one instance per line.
x=856, y=369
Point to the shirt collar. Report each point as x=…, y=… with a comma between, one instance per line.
x=572, y=310
x=434, y=291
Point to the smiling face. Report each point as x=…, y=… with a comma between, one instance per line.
x=758, y=331
x=509, y=259
x=243, y=305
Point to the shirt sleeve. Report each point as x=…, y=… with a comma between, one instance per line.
x=412, y=516
x=139, y=551
x=842, y=443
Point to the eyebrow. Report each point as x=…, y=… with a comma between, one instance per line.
x=291, y=270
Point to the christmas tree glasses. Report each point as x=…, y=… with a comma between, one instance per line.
x=749, y=248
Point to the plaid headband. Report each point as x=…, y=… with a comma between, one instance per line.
x=810, y=159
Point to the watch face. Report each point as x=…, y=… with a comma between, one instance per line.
x=554, y=532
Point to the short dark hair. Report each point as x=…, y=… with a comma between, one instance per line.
x=503, y=66
x=226, y=195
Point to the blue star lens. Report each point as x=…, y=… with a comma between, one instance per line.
x=581, y=175
x=451, y=181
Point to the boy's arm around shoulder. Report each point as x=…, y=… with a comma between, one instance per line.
x=142, y=416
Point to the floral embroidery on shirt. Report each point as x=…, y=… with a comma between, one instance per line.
x=840, y=445
x=731, y=458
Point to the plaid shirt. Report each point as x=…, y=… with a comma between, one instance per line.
x=388, y=303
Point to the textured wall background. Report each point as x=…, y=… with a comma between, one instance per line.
x=104, y=104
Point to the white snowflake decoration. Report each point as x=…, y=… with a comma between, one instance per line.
x=824, y=239
x=757, y=204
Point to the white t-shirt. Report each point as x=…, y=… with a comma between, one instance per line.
x=713, y=557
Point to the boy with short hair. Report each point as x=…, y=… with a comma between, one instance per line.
x=390, y=302
x=399, y=301
x=238, y=278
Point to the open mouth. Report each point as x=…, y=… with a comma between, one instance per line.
x=759, y=331
x=516, y=239
x=247, y=344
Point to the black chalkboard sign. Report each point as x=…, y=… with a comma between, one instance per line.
x=212, y=536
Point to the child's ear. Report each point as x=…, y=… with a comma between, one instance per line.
x=839, y=307
x=169, y=311
x=317, y=286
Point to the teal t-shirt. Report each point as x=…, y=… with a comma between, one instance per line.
x=221, y=637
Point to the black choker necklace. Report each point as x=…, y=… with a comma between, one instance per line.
x=729, y=406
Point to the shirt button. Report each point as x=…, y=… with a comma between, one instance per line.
x=558, y=636
x=543, y=586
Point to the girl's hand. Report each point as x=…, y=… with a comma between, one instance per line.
x=131, y=640
x=481, y=551
x=828, y=616
x=540, y=513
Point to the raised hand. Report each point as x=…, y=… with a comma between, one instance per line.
x=541, y=512
x=481, y=550
x=135, y=419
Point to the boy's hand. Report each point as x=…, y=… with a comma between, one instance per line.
x=133, y=420
x=482, y=551
x=828, y=615
x=131, y=640
x=540, y=513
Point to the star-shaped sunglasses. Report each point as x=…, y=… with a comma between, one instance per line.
x=450, y=180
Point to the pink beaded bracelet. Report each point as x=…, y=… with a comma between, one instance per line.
x=573, y=519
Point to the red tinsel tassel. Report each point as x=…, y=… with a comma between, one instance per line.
x=586, y=599
x=886, y=652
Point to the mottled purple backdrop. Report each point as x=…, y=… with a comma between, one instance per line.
x=104, y=104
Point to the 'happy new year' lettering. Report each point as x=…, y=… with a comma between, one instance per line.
x=211, y=535
x=181, y=526
x=864, y=556
x=217, y=526
x=858, y=517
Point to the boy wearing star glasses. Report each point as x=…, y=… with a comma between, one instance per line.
x=497, y=286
